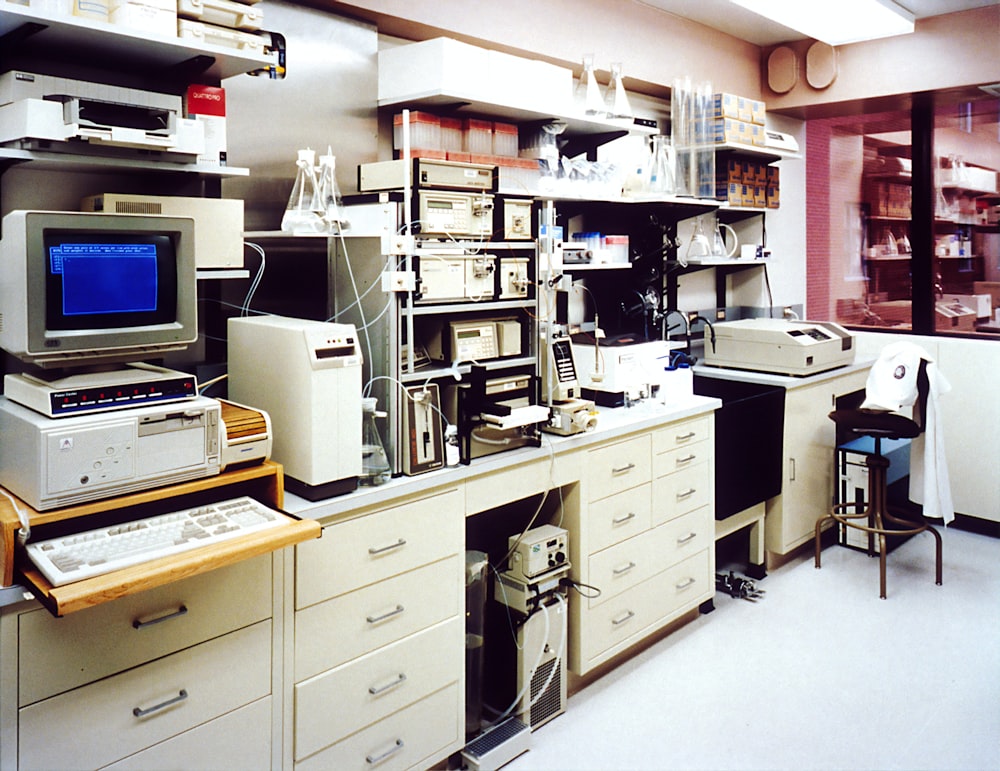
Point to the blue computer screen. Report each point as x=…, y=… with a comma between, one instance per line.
x=105, y=278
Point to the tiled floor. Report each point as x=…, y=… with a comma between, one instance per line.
x=820, y=674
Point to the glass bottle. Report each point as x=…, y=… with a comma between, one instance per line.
x=588, y=90
x=618, y=105
x=302, y=212
x=375, y=468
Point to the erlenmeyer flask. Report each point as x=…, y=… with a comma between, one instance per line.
x=662, y=166
x=719, y=244
x=617, y=99
x=375, y=468
x=302, y=212
x=699, y=245
x=330, y=202
x=891, y=247
x=588, y=90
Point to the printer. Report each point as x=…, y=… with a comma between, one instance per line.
x=781, y=346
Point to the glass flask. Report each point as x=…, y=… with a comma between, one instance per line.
x=330, y=202
x=302, y=212
x=719, y=248
x=374, y=462
x=588, y=90
x=699, y=245
x=662, y=166
x=618, y=105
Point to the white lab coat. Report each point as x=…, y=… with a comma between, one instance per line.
x=892, y=386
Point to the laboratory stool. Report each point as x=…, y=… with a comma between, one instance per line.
x=876, y=517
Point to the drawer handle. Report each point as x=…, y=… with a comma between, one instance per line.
x=624, y=569
x=686, y=494
x=383, y=549
x=687, y=538
x=376, y=619
x=400, y=679
x=624, y=519
x=623, y=469
x=685, y=437
x=374, y=760
x=686, y=459
x=181, y=696
x=686, y=583
x=137, y=624
x=629, y=615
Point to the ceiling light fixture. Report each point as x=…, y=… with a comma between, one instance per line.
x=836, y=23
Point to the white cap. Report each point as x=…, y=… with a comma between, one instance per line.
x=892, y=380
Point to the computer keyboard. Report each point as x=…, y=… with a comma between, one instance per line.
x=92, y=553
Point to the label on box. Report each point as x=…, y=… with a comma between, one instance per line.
x=207, y=105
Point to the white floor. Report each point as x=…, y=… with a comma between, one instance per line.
x=820, y=674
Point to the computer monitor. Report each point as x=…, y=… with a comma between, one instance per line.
x=80, y=289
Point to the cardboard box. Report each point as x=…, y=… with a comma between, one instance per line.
x=760, y=196
x=758, y=113
x=731, y=193
x=725, y=106
x=157, y=17
x=773, y=197
x=733, y=170
x=98, y=10
x=726, y=130
x=207, y=105
x=747, y=196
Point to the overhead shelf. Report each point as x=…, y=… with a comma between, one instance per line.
x=60, y=161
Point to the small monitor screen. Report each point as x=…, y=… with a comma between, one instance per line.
x=109, y=280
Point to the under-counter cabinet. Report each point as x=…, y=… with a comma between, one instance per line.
x=178, y=676
x=379, y=637
x=643, y=535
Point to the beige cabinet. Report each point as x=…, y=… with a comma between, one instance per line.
x=379, y=637
x=146, y=680
x=643, y=536
x=808, y=461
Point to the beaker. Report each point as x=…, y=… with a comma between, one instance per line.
x=375, y=468
x=588, y=90
x=330, y=202
x=617, y=99
x=662, y=165
x=302, y=212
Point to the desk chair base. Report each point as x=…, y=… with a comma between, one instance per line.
x=877, y=514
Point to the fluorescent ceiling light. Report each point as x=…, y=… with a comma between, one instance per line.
x=836, y=21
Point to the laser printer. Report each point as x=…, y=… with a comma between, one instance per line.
x=781, y=346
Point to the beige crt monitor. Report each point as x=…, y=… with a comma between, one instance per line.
x=218, y=222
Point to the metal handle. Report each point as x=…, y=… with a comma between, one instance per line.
x=622, y=570
x=376, y=759
x=686, y=494
x=684, y=584
x=622, y=520
x=623, y=469
x=687, y=538
x=384, y=616
x=622, y=619
x=137, y=624
x=383, y=549
x=791, y=469
x=400, y=679
x=685, y=437
x=181, y=696
x=686, y=459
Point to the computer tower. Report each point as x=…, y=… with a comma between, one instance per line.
x=545, y=696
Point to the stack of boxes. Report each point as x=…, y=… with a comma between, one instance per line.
x=467, y=140
x=737, y=120
x=748, y=183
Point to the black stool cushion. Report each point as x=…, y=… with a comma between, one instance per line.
x=885, y=425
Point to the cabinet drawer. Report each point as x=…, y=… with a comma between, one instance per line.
x=370, y=688
x=613, y=519
x=685, y=535
x=616, y=467
x=98, y=724
x=626, y=619
x=338, y=630
x=57, y=654
x=681, y=458
x=620, y=567
x=238, y=740
x=417, y=736
x=682, y=434
x=372, y=548
x=679, y=493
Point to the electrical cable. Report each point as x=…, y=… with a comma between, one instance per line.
x=202, y=387
x=770, y=297
x=24, y=532
x=245, y=308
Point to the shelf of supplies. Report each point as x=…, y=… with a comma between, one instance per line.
x=132, y=48
x=432, y=373
x=58, y=161
x=573, y=267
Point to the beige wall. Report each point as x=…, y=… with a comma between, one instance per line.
x=654, y=46
x=945, y=52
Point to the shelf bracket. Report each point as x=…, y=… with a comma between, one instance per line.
x=11, y=43
x=278, y=48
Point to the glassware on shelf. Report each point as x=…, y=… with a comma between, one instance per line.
x=617, y=101
x=719, y=248
x=588, y=90
x=662, y=166
x=302, y=214
x=328, y=193
x=375, y=468
x=699, y=246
